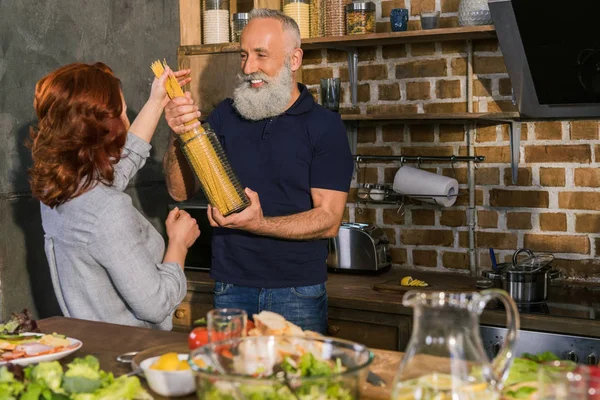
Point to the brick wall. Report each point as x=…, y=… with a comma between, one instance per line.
x=555, y=205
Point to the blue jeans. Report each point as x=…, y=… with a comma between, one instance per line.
x=305, y=306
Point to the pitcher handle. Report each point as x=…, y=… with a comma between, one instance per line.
x=504, y=359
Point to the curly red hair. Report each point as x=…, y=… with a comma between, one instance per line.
x=80, y=133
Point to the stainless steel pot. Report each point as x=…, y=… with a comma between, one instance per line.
x=526, y=281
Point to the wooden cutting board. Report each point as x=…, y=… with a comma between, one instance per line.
x=436, y=281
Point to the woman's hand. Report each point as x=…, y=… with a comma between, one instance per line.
x=182, y=229
x=158, y=93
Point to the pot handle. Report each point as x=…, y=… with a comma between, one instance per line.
x=553, y=274
x=503, y=361
x=515, y=258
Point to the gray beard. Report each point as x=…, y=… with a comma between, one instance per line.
x=268, y=101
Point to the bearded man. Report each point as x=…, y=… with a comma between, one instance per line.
x=293, y=157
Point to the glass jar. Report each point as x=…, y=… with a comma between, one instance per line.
x=238, y=22
x=317, y=18
x=299, y=10
x=335, y=22
x=377, y=193
x=363, y=192
x=474, y=12
x=360, y=18
x=215, y=21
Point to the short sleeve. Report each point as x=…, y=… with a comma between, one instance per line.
x=332, y=166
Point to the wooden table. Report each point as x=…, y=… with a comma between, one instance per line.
x=107, y=341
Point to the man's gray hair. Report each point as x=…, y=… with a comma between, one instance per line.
x=288, y=23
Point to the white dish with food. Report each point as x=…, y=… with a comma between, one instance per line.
x=40, y=348
x=169, y=383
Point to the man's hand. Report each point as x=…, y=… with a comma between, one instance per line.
x=180, y=110
x=250, y=219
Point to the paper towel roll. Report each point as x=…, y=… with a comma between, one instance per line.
x=411, y=181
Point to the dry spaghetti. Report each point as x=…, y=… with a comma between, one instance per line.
x=207, y=159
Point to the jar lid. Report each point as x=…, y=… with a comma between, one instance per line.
x=367, y=185
x=241, y=16
x=380, y=186
x=215, y=4
x=361, y=6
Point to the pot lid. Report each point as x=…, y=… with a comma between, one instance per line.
x=532, y=263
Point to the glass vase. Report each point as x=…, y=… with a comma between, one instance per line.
x=474, y=12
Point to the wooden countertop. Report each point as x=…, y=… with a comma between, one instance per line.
x=358, y=292
x=107, y=341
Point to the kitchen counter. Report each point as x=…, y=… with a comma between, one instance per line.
x=383, y=294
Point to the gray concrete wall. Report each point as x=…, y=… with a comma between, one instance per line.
x=37, y=36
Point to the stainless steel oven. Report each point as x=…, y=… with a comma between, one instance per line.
x=200, y=254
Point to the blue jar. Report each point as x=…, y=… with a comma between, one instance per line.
x=399, y=19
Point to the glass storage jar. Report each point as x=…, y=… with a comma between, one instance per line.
x=215, y=21
x=360, y=18
x=299, y=10
x=474, y=12
x=363, y=191
x=335, y=22
x=317, y=18
x=377, y=193
x=238, y=22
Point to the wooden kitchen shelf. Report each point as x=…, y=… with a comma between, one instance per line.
x=372, y=39
x=434, y=118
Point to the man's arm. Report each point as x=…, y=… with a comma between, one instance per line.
x=322, y=221
x=180, y=179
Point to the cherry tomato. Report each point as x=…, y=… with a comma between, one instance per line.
x=198, y=337
x=249, y=326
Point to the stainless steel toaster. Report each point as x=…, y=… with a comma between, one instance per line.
x=359, y=248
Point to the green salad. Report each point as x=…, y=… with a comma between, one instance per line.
x=287, y=383
x=82, y=380
x=522, y=378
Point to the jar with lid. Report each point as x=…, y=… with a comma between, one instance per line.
x=360, y=18
x=299, y=10
x=317, y=18
x=335, y=24
x=215, y=21
x=363, y=191
x=377, y=193
x=238, y=22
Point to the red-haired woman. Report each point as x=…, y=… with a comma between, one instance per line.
x=107, y=262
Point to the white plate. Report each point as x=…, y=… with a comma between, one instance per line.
x=46, y=357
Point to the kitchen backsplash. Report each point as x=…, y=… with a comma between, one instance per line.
x=555, y=205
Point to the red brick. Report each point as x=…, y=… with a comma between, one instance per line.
x=487, y=176
x=366, y=73
x=454, y=47
x=366, y=134
x=497, y=240
x=375, y=150
x=518, y=220
x=427, y=237
x=422, y=133
x=553, y=222
x=552, y=177
x=416, y=7
x=312, y=76
x=518, y=198
x=445, y=107
x=389, y=91
x=393, y=51
x=422, y=49
x=460, y=174
x=557, y=243
x=463, y=198
x=391, y=235
x=505, y=87
x=367, y=216
x=399, y=256
x=430, y=151
x=524, y=177
x=425, y=258
x=455, y=260
x=587, y=223
x=558, y=153
x=312, y=57
x=423, y=217
x=579, y=200
x=448, y=89
x=581, y=268
x=486, y=133
x=418, y=90
x=487, y=219
x=458, y=66
x=587, y=177
x=482, y=87
x=548, y=130
x=452, y=133
x=421, y=69
x=497, y=106
x=453, y=218
x=494, y=154
x=393, y=217
x=388, y=5
x=584, y=130
x=392, y=133
x=487, y=45
x=488, y=65
x=450, y=6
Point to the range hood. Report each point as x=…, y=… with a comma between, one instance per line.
x=551, y=49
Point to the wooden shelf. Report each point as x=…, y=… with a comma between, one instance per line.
x=434, y=118
x=372, y=39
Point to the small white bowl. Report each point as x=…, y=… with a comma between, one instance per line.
x=169, y=383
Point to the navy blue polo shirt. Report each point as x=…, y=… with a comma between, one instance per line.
x=280, y=158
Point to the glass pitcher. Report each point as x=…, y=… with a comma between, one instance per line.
x=445, y=359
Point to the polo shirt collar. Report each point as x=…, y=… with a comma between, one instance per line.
x=303, y=103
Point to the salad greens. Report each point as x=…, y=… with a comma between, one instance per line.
x=306, y=365
x=522, y=378
x=19, y=323
x=83, y=380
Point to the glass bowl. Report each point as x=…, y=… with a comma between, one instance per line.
x=280, y=368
